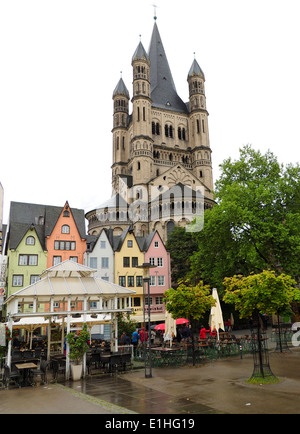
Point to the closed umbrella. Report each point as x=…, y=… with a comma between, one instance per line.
x=216, y=316
x=170, y=327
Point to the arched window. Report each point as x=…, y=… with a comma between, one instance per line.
x=65, y=229
x=30, y=241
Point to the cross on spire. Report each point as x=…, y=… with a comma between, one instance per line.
x=155, y=17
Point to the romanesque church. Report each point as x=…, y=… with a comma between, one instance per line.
x=162, y=166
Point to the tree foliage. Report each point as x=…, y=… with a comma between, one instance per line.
x=255, y=224
x=189, y=301
x=181, y=245
x=261, y=293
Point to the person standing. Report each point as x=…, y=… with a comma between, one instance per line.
x=135, y=340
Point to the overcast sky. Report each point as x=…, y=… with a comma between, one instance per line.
x=60, y=61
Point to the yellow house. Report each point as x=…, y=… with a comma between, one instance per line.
x=128, y=256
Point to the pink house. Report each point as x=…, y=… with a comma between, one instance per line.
x=160, y=276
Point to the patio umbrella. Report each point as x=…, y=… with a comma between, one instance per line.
x=179, y=321
x=216, y=316
x=170, y=327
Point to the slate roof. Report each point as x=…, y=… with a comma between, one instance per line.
x=163, y=90
x=42, y=218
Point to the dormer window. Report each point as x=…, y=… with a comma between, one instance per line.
x=66, y=214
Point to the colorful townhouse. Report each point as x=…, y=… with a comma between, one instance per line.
x=32, y=236
x=99, y=255
x=66, y=239
x=131, y=252
x=160, y=276
x=128, y=256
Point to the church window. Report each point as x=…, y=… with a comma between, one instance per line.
x=123, y=142
x=144, y=114
x=198, y=126
x=179, y=133
x=201, y=174
x=138, y=114
x=138, y=165
x=117, y=143
x=203, y=126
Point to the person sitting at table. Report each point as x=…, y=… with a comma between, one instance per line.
x=203, y=331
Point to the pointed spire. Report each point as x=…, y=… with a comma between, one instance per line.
x=163, y=90
x=196, y=70
x=140, y=52
x=121, y=89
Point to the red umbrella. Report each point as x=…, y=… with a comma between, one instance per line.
x=178, y=322
x=160, y=326
x=181, y=321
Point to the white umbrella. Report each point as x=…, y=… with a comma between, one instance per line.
x=216, y=317
x=170, y=327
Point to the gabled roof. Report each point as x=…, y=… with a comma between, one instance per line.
x=42, y=217
x=163, y=91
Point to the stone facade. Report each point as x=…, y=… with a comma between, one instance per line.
x=162, y=144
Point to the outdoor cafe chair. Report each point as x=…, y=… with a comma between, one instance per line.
x=42, y=371
x=11, y=375
x=59, y=367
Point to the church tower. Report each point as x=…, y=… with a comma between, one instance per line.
x=160, y=150
x=141, y=156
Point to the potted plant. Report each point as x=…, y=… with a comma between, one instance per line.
x=78, y=346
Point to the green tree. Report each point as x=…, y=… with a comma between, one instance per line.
x=261, y=293
x=181, y=245
x=255, y=224
x=190, y=302
x=78, y=343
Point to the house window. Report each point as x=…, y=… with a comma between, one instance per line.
x=30, y=241
x=152, y=281
x=160, y=280
x=17, y=280
x=159, y=300
x=34, y=278
x=56, y=260
x=64, y=245
x=93, y=305
x=65, y=229
x=134, y=261
x=148, y=300
x=139, y=281
x=102, y=244
x=130, y=280
x=28, y=259
x=74, y=258
x=159, y=262
x=152, y=261
x=93, y=262
x=129, y=243
x=66, y=214
x=136, y=301
x=122, y=281
x=156, y=244
x=126, y=261
x=104, y=262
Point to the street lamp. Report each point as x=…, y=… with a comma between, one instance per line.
x=146, y=279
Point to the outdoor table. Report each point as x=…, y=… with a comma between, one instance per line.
x=25, y=368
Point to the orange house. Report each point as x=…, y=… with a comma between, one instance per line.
x=66, y=239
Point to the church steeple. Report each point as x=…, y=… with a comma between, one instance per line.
x=163, y=90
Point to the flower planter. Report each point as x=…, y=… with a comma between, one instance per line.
x=76, y=371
